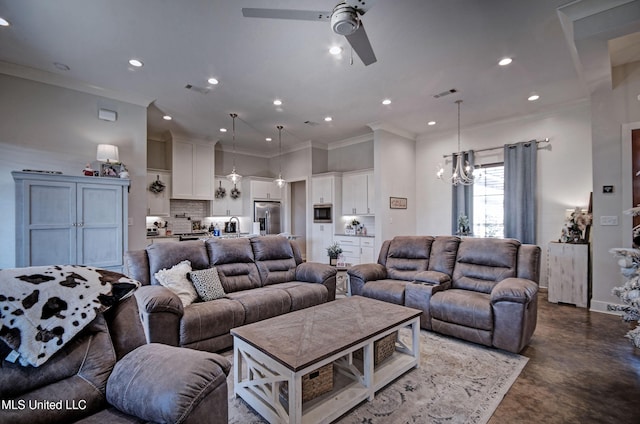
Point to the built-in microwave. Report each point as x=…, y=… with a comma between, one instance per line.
x=322, y=213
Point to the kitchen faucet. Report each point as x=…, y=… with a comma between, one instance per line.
x=237, y=225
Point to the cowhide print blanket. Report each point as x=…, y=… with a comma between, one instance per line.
x=42, y=308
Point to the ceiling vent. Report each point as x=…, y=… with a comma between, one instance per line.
x=313, y=124
x=445, y=93
x=201, y=90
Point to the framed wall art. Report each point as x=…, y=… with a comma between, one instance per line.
x=397, y=202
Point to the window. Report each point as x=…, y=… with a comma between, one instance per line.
x=488, y=202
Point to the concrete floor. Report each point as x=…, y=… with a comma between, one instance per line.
x=581, y=369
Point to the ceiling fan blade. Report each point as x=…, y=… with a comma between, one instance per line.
x=360, y=43
x=298, y=15
x=362, y=6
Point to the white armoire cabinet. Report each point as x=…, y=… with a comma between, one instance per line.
x=63, y=219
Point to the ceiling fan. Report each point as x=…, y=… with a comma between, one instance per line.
x=345, y=20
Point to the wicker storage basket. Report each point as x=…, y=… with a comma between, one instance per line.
x=382, y=349
x=314, y=384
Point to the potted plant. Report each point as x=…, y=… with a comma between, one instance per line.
x=334, y=251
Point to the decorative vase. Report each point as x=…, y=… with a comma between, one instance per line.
x=333, y=260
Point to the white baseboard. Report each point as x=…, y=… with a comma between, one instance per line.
x=599, y=306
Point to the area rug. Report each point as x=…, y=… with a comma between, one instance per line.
x=457, y=382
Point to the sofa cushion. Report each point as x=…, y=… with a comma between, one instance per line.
x=274, y=258
x=262, y=303
x=229, y=251
x=207, y=284
x=407, y=256
x=205, y=320
x=303, y=295
x=166, y=255
x=77, y=374
x=391, y=291
x=443, y=254
x=175, y=279
x=238, y=276
x=464, y=307
x=482, y=263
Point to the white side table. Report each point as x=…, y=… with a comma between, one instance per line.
x=343, y=284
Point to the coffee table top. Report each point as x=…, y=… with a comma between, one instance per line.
x=301, y=338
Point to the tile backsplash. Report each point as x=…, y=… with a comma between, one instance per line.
x=183, y=215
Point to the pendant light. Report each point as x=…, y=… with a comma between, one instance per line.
x=280, y=182
x=463, y=171
x=234, y=177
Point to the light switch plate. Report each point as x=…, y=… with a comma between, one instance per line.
x=608, y=220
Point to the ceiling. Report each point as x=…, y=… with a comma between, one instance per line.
x=423, y=47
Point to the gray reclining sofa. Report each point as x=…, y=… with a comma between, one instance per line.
x=479, y=289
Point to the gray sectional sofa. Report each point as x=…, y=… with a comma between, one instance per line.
x=262, y=277
x=109, y=374
x=478, y=289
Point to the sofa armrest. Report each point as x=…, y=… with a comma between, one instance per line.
x=315, y=272
x=160, y=312
x=432, y=277
x=518, y=290
x=360, y=274
x=160, y=383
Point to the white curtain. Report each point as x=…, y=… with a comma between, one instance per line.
x=520, y=161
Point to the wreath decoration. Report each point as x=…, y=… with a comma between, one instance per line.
x=221, y=192
x=157, y=186
x=235, y=193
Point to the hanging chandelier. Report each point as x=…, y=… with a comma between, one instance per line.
x=463, y=171
x=280, y=182
x=234, y=177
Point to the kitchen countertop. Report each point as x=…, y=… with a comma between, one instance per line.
x=354, y=235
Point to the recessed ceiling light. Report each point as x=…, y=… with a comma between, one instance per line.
x=61, y=66
x=431, y=123
x=505, y=61
x=135, y=62
x=335, y=50
x=533, y=97
x=328, y=119
x=3, y=22
x=213, y=81
x=167, y=118
x=386, y=102
x=267, y=139
x=223, y=130
x=277, y=102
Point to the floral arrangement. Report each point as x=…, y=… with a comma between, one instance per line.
x=463, y=225
x=574, y=227
x=220, y=192
x=235, y=193
x=157, y=186
x=334, y=250
x=629, y=293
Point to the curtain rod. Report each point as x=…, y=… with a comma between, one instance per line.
x=544, y=140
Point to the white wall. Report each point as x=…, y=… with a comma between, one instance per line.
x=564, y=171
x=611, y=109
x=394, y=176
x=352, y=157
x=52, y=128
x=246, y=165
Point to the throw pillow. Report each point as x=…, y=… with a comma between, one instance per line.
x=207, y=284
x=175, y=279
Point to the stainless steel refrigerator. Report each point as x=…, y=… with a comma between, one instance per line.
x=267, y=213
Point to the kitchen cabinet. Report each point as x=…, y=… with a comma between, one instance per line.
x=321, y=238
x=227, y=206
x=192, y=170
x=62, y=219
x=264, y=190
x=568, y=273
x=356, y=250
x=158, y=204
x=322, y=189
x=358, y=193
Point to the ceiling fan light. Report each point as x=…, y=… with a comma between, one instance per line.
x=344, y=20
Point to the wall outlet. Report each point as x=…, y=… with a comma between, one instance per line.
x=608, y=220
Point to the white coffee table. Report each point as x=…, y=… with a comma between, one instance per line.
x=284, y=348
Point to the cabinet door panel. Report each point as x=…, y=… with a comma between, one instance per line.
x=203, y=176
x=158, y=204
x=182, y=172
x=50, y=246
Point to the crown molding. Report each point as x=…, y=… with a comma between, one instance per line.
x=50, y=78
x=377, y=126
x=351, y=141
